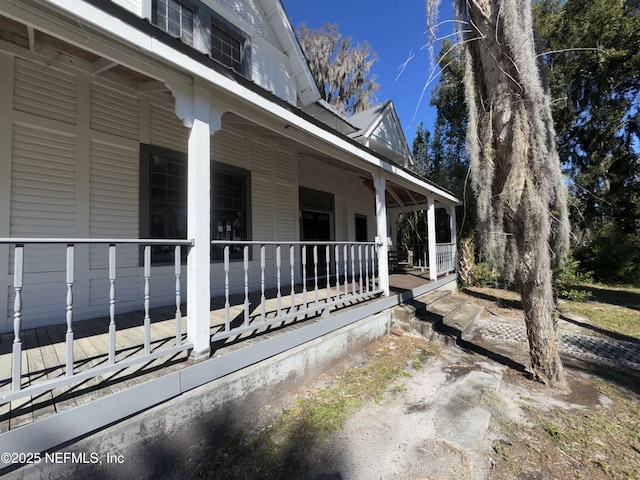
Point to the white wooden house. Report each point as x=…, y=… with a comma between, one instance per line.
x=131, y=127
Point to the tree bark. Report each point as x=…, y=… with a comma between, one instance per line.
x=514, y=163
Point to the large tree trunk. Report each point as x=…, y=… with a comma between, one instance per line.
x=514, y=163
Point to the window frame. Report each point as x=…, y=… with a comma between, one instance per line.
x=237, y=34
x=145, y=201
x=193, y=6
x=204, y=20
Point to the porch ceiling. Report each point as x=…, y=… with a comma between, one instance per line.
x=27, y=42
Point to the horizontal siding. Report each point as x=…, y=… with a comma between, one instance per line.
x=44, y=92
x=262, y=154
x=167, y=130
x=229, y=147
x=286, y=211
x=262, y=207
x=114, y=186
x=114, y=111
x=43, y=183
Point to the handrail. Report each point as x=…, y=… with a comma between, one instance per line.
x=302, y=243
x=106, y=241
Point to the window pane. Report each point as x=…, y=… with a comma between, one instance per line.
x=226, y=47
x=174, y=18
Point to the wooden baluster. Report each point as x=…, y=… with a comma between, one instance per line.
x=227, y=304
x=337, y=253
x=16, y=366
x=278, y=295
x=346, y=270
x=147, y=299
x=247, y=304
x=366, y=266
x=178, y=273
x=112, y=304
x=69, y=310
x=353, y=269
x=373, y=266
x=292, y=264
x=315, y=273
x=360, y=268
x=304, y=277
x=263, y=299
x=327, y=253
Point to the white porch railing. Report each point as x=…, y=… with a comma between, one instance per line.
x=328, y=274
x=445, y=257
x=68, y=248
x=261, y=283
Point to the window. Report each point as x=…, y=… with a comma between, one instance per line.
x=362, y=232
x=227, y=46
x=163, y=201
x=229, y=207
x=175, y=18
x=204, y=30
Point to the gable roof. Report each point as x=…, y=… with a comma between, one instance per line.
x=306, y=85
x=379, y=128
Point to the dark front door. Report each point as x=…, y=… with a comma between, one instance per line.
x=316, y=226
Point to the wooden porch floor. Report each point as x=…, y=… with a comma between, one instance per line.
x=44, y=350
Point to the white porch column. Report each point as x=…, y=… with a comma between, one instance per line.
x=393, y=223
x=431, y=238
x=198, y=114
x=379, y=183
x=452, y=224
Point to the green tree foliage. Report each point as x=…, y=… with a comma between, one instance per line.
x=593, y=61
x=420, y=150
x=449, y=162
x=342, y=69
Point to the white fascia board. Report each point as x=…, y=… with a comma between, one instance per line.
x=276, y=15
x=142, y=41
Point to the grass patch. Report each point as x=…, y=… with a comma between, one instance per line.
x=610, y=317
x=281, y=449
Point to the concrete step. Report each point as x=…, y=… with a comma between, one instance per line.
x=436, y=315
x=463, y=317
x=444, y=308
x=432, y=297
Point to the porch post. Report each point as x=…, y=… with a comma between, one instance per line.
x=431, y=238
x=393, y=222
x=379, y=183
x=454, y=233
x=203, y=121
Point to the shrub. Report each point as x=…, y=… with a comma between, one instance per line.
x=569, y=280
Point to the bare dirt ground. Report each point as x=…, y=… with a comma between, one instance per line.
x=463, y=415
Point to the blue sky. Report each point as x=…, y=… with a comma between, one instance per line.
x=396, y=31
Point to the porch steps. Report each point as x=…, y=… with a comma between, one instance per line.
x=437, y=314
x=452, y=315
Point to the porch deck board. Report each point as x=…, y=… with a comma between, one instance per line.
x=43, y=405
x=44, y=349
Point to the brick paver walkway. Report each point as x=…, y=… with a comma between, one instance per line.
x=587, y=347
